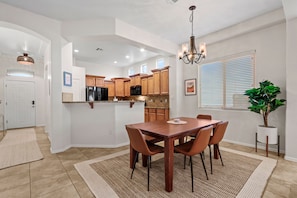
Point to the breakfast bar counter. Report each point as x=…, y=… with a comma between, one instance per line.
x=103, y=125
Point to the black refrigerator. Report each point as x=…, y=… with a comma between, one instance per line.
x=96, y=93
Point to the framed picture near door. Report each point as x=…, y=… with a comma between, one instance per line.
x=67, y=79
x=190, y=87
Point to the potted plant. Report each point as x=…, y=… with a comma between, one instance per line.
x=264, y=100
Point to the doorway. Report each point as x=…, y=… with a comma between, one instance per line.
x=20, y=104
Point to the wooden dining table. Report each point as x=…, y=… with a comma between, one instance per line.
x=169, y=132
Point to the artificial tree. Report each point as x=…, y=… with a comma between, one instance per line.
x=264, y=100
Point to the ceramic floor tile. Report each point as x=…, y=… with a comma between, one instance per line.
x=44, y=169
x=49, y=184
x=67, y=191
x=14, y=180
x=83, y=190
x=22, y=191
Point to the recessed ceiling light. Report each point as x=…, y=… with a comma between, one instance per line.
x=76, y=50
x=127, y=57
x=142, y=49
x=115, y=62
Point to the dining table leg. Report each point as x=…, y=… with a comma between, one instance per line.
x=168, y=163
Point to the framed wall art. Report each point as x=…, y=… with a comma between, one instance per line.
x=67, y=79
x=190, y=87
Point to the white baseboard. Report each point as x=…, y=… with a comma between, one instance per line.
x=260, y=145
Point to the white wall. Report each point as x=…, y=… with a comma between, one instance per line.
x=269, y=43
x=100, y=70
x=151, y=64
x=291, y=58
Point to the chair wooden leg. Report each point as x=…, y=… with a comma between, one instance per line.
x=218, y=148
x=278, y=141
x=192, y=176
x=256, y=140
x=204, y=165
x=210, y=158
x=134, y=163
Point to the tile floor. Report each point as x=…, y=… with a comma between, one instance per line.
x=55, y=175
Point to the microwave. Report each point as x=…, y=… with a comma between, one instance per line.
x=135, y=90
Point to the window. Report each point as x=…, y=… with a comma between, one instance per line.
x=160, y=63
x=143, y=68
x=130, y=71
x=20, y=73
x=223, y=83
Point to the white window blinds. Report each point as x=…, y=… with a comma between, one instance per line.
x=223, y=83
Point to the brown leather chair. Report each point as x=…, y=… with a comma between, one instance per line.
x=194, y=147
x=140, y=145
x=200, y=116
x=217, y=137
x=204, y=116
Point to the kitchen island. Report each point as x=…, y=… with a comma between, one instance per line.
x=102, y=123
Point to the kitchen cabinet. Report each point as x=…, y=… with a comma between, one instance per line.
x=162, y=114
x=99, y=81
x=136, y=79
x=127, y=87
x=150, y=85
x=119, y=87
x=110, y=85
x=164, y=80
x=95, y=81
x=146, y=115
x=156, y=83
x=144, y=85
x=152, y=114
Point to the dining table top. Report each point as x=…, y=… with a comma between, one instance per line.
x=171, y=129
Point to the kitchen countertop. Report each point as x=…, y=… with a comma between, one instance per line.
x=109, y=101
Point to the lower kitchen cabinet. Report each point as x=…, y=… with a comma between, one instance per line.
x=152, y=114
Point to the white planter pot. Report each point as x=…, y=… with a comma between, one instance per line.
x=271, y=132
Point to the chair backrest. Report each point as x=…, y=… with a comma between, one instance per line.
x=201, y=141
x=204, y=116
x=219, y=132
x=137, y=141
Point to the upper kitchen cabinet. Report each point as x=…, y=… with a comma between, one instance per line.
x=164, y=75
x=136, y=79
x=157, y=81
x=150, y=85
x=110, y=85
x=144, y=85
x=95, y=81
x=127, y=87
x=119, y=87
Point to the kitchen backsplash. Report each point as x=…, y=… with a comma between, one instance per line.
x=153, y=101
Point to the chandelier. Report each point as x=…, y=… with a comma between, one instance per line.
x=25, y=59
x=192, y=55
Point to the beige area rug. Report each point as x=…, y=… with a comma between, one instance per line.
x=19, y=146
x=244, y=175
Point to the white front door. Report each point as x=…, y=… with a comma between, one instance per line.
x=20, y=104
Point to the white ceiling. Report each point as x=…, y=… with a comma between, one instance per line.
x=164, y=18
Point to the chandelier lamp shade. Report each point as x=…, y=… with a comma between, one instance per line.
x=25, y=59
x=192, y=55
